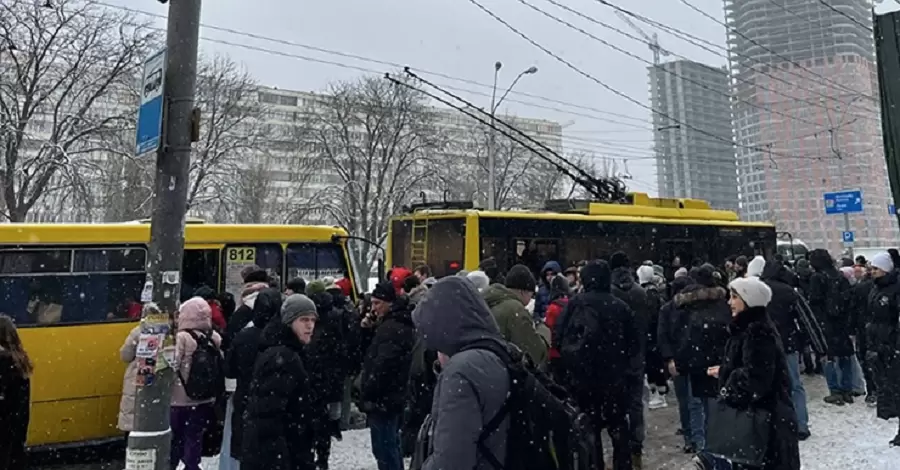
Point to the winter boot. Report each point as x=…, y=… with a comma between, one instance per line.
x=835, y=399
x=871, y=400
x=895, y=442
x=637, y=461
x=848, y=398
x=657, y=401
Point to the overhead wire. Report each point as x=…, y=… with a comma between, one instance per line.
x=736, y=77
x=770, y=50
x=361, y=58
x=693, y=39
x=658, y=66
x=607, y=86
x=844, y=14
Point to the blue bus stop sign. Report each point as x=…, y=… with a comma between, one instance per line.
x=150, y=112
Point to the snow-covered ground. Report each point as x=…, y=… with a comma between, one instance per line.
x=844, y=438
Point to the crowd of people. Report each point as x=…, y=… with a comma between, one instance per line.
x=440, y=367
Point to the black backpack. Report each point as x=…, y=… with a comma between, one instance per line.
x=207, y=379
x=579, y=346
x=545, y=431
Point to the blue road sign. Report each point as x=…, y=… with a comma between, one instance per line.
x=847, y=237
x=843, y=202
x=150, y=111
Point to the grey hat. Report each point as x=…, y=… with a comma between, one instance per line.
x=296, y=306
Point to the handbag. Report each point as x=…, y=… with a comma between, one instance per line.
x=740, y=435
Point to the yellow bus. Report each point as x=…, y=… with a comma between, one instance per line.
x=451, y=236
x=70, y=289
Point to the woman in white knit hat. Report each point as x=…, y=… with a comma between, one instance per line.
x=883, y=335
x=754, y=376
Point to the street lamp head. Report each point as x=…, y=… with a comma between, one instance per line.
x=531, y=70
x=498, y=65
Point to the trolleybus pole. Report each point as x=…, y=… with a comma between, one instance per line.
x=150, y=442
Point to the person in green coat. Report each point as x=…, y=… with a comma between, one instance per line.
x=507, y=303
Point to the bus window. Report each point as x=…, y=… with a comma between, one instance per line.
x=267, y=256
x=30, y=287
x=79, y=285
x=199, y=268
x=107, y=282
x=313, y=261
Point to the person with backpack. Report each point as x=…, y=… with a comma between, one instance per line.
x=279, y=433
x=599, y=345
x=239, y=362
x=829, y=295
x=199, y=381
x=472, y=387
x=493, y=408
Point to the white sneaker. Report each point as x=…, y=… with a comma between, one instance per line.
x=657, y=401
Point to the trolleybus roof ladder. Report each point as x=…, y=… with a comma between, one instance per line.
x=418, y=254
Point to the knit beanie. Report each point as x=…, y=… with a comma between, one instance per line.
x=618, y=260
x=479, y=279
x=520, y=277
x=296, y=306
x=755, y=293
x=756, y=266
x=315, y=287
x=883, y=262
x=645, y=274
x=681, y=272
x=385, y=291
x=256, y=276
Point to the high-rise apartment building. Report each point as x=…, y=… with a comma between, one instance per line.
x=806, y=117
x=694, y=158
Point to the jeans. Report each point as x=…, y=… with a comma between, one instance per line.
x=839, y=374
x=798, y=393
x=690, y=411
x=385, y=432
x=636, y=431
x=346, y=404
x=226, y=461
x=859, y=383
x=188, y=425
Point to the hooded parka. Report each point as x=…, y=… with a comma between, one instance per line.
x=883, y=341
x=473, y=384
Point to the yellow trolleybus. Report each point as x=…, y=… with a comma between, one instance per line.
x=70, y=289
x=453, y=236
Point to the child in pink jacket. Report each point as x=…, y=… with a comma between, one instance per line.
x=189, y=417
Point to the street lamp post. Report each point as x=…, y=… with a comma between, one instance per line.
x=492, y=190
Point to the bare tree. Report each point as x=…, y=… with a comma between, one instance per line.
x=67, y=68
x=377, y=142
x=523, y=176
x=232, y=129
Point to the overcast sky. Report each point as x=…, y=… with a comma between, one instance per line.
x=455, y=38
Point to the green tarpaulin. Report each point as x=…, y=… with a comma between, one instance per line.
x=887, y=50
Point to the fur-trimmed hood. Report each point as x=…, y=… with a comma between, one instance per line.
x=696, y=294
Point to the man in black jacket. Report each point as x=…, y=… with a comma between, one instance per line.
x=278, y=431
x=627, y=290
x=596, y=327
x=782, y=310
x=388, y=338
x=829, y=299
x=240, y=360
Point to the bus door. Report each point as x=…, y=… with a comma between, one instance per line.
x=671, y=248
x=535, y=252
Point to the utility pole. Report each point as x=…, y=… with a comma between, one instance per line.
x=837, y=153
x=492, y=133
x=150, y=442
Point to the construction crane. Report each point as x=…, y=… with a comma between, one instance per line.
x=652, y=41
